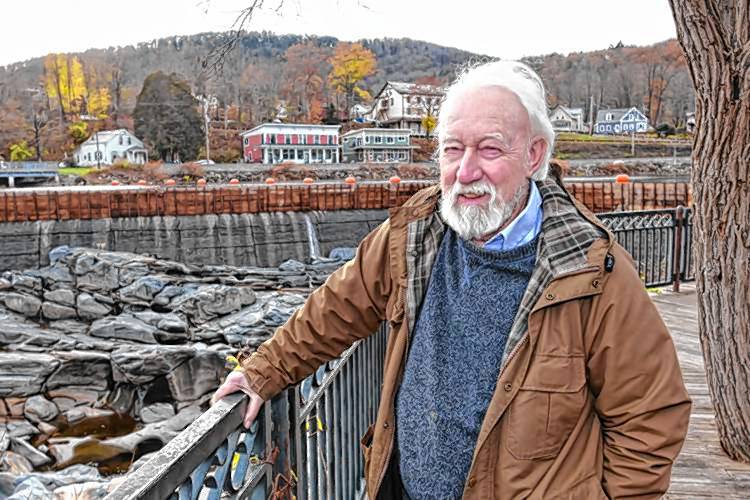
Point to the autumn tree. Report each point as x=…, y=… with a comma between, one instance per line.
x=78, y=90
x=167, y=118
x=715, y=37
x=306, y=71
x=351, y=64
x=659, y=68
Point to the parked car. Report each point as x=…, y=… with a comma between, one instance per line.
x=205, y=162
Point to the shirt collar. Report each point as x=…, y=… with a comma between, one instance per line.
x=524, y=227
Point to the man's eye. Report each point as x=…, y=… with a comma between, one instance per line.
x=451, y=150
x=490, y=152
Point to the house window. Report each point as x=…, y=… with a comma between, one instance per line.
x=316, y=139
x=368, y=139
x=129, y=141
x=273, y=138
x=287, y=139
x=402, y=155
x=120, y=138
x=609, y=117
x=328, y=154
x=301, y=139
x=378, y=139
x=391, y=101
x=389, y=139
x=402, y=138
x=245, y=141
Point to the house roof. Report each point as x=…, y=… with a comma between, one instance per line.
x=412, y=89
x=104, y=136
x=290, y=126
x=617, y=114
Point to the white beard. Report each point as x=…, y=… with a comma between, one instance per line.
x=473, y=221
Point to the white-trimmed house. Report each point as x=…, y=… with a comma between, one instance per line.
x=272, y=143
x=404, y=105
x=620, y=121
x=109, y=146
x=376, y=145
x=566, y=119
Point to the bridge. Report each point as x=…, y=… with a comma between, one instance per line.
x=27, y=170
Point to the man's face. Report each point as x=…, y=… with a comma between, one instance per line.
x=486, y=159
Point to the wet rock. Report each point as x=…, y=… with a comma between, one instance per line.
x=19, y=429
x=82, y=491
x=80, y=368
x=40, y=409
x=167, y=294
x=164, y=321
x=293, y=266
x=69, y=475
x=31, y=489
x=24, y=374
x=89, y=308
x=15, y=406
x=160, y=431
x=46, y=428
x=27, y=305
x=25, y=281
x=7, y=484
x=142, y=290
x=63, y=296
x=64, y=404
x=95, y=273
x=34, y=456
x=4, y=440
x=141, y=364
x=121, y=398
x=53, y=311
x=197, y=376
x=209, y=301
x=124, y=327
x=342, y=253
x=14, y=463
x=79, y=395
x=81, y=413
x=156, y=413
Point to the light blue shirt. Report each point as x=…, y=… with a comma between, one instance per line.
x=524, y=228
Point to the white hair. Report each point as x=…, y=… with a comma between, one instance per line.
x=516, y=77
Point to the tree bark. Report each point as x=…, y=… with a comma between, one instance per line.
x=715, y=36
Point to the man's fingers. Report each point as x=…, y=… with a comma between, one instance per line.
x=253, y=407
x=233, y=383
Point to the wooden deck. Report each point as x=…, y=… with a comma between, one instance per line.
x=702, y=470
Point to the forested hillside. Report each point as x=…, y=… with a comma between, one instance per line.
x=50, y=104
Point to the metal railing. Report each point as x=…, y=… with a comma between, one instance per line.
x=659, y=241
x=304, y=444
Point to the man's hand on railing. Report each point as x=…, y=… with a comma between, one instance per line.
x=235, y=382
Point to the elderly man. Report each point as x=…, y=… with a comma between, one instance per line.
x=525, y=358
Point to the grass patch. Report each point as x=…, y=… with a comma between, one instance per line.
x=79, y=171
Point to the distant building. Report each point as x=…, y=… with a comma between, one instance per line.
x=359, y=112
x=376, y=145
x=566, y=119
x=108, y=147
x=271, y=143
x=620, y=121
x=404, y=105
x=690, y=122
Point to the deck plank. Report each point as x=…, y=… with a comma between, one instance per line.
x=702, y=470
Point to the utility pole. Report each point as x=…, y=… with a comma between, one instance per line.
x=591, y=115
x=206, y=100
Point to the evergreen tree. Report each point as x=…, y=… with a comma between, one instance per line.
x=167, y=118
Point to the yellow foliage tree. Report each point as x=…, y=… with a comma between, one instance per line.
x=351, y=63
x=76, y=90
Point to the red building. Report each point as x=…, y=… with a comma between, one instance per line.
x=291, y=143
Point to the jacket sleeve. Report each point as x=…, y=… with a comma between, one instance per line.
x=639, y=392
x=347, y=307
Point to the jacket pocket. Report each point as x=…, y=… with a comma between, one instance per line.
x=546, y=407
x=365, y=444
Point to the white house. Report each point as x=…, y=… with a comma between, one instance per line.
x=376, y=145
x=566, y=119
x=107, y=147
x=620, y=121
x=404, y=105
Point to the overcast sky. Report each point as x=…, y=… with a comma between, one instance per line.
x=502, y=28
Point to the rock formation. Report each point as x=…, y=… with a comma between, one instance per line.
x=105, y=356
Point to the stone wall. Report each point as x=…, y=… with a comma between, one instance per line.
x=264, y=239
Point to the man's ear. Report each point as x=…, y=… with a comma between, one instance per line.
x=537, y=151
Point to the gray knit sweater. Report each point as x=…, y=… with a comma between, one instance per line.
x=454, y=361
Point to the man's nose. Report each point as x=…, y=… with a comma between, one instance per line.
x=469, y=170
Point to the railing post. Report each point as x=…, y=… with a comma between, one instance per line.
x=677, y=250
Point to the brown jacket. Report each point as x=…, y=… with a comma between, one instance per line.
x=590, y=401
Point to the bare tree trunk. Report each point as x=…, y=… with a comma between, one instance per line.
x=715, y=37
